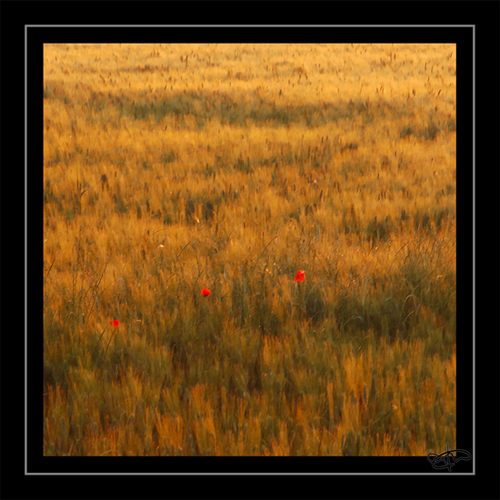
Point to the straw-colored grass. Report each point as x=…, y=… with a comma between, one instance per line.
x=170, y=168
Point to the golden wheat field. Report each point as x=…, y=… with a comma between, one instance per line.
x=169, y=169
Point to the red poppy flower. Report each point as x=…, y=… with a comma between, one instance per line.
x=115, y=322
x=205, y=292
x=300, y=276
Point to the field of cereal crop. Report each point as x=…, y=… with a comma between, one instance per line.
x=169, y=169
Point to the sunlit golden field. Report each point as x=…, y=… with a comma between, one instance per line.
x=172, y=168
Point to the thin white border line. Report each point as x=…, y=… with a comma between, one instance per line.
x=249, y=26
x=474, y=248
x=473, y=26
x=26, y=251
x=250, y=473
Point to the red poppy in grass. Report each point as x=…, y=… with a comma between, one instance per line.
x=205, y=292
x=115, y=322
x=300, y=276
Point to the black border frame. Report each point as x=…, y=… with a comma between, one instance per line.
x=465, y=278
